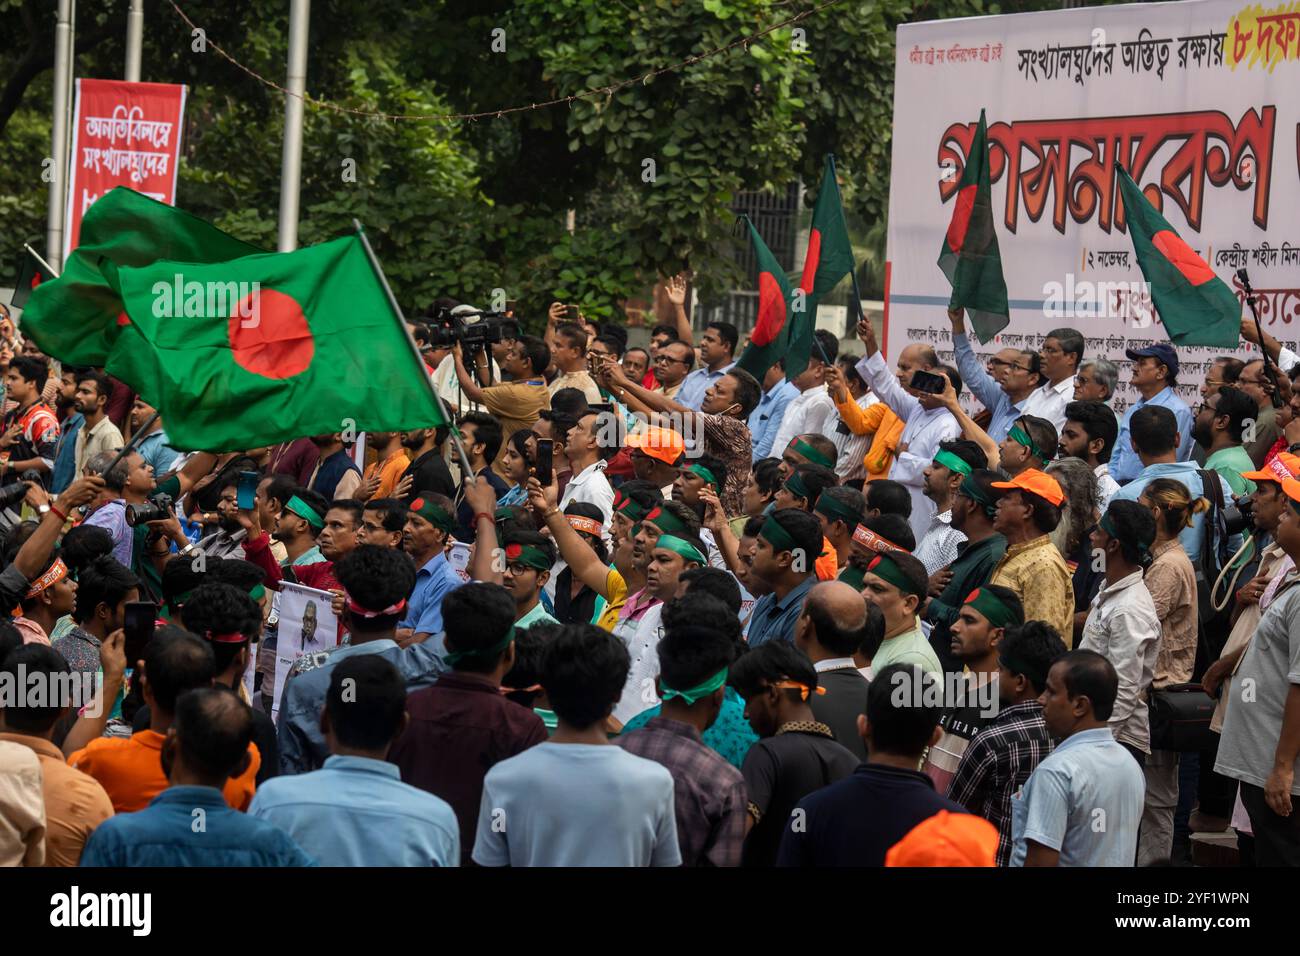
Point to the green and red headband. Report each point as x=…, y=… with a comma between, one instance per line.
x=434, y=514
x=666, y=521
x=628, y=507
x=795, y=485
x=529, y=555
x=811, y=453
x=884, y=567
x=991, y=606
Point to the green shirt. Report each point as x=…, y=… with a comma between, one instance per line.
x=910, y=647
x=536, y=615
x=1231, y=463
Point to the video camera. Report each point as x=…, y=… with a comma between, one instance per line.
x=14, y=492
x=155, y=509
x=1239, y=516
x=473, y=330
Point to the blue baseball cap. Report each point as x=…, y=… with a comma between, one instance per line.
x=1160, y=350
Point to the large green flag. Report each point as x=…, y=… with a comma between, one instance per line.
x=77, y=316
x=970, y=257
x=1195, y=305
x=828, y=260
x=770, y=338
x=268, y=348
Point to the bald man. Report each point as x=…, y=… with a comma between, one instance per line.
x=830, y=628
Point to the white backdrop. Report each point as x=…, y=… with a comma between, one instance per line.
x=1200, y=100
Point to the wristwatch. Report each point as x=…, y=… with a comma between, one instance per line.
x=43, y=509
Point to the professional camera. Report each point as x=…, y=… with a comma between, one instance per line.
x=473, y=330
x=14, y=492
x=155, y=509
x=1238, y=516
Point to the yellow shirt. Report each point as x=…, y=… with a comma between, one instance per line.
x=616, y=588
x=1038, y=574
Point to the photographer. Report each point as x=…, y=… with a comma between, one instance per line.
x=516, y=403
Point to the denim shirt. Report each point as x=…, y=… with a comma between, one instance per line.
x=1124, y=461
x=765, y=419
x=168, y=833
x=775, y=620
x=433, y=582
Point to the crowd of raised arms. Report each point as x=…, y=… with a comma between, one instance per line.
x=675, y=616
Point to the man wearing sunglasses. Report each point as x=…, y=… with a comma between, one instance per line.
x=672, y=363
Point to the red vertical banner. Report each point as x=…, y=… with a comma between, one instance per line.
x=123, y=134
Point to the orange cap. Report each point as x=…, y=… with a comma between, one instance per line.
x=947, y=839
x=1283, y=466
x=1035, y=482
x=662, y=444
x=1291, y=488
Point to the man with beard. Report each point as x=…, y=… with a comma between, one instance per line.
x=30, y=431
x=427, y=471
x=97, y=434
x=335, y=475
x=228, y=540
x=70, y=422
x=1219, y=427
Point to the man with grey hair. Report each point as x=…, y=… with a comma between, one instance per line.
x=1096, y=381
x=1061, y=354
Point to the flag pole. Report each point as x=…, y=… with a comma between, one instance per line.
x=1244, y=279
x=54, y=273
x=467, y=472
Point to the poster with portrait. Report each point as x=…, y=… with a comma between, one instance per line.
x=307, y=625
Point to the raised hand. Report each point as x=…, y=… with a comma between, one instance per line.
x=676, y=289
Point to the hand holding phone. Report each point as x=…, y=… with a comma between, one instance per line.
x=545, y=466
x=928, y=382
x=247, y=489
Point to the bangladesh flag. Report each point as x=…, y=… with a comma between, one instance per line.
x=1195, y=305
x=77, y=316
x=769, y=340
x=30, y=274
x=828, y=260
x=268, y=348
x=970, y=257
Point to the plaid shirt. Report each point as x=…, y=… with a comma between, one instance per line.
x=708, y=792
x=997, y=763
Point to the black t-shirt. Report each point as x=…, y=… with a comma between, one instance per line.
x=855, y=821
x=779, y=772
x=431, y=474
x=570, y=609
x=839, y=707
x=263, y=736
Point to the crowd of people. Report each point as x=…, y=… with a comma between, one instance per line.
x=664, y=613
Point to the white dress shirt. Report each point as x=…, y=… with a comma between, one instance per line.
x=925, y=428
x=1049, y=402
x=809, y=414
x=1106, y=485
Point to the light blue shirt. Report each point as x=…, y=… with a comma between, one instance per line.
x=1084, y=800
x=577, y=805
x=433, y=582
x=1185, y=472
x=154, y=449
x=302, y=745
x=355, y=811
x=694, y=385
x=1124, y=461
x=989, y=392
x=765, y=419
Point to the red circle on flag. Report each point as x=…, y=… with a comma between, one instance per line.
x=771, y=310
x=961, y=217
x=811, y=261
x=269, y=335
x=1173, y=248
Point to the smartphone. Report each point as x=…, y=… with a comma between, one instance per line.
x=137, y=623
x=571, y=312
x=928, y=382
x=545, y=461
x=247, y=489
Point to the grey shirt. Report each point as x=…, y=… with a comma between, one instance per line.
x=1259, y=689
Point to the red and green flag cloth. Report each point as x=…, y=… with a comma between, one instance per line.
x=78, y=316
x=1195, y=305
x=970, y=257
x=236, y=350
x=769, y=340
x=30, y=275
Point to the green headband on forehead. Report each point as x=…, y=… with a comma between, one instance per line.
x=666, y=521
x=670, y=542
x=972, y=491
x=704, y=473
x=991, y=606
x=430, y=511
x=811, y=453
x=883, y=566
x=304, y=511
x=837, y=510
x=1107, y=524
x=794, y=484
x=699, y=691
x=1021, y=437
x=853, y=576
x=776, y=535
x=527, y=554
x=952, y=462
